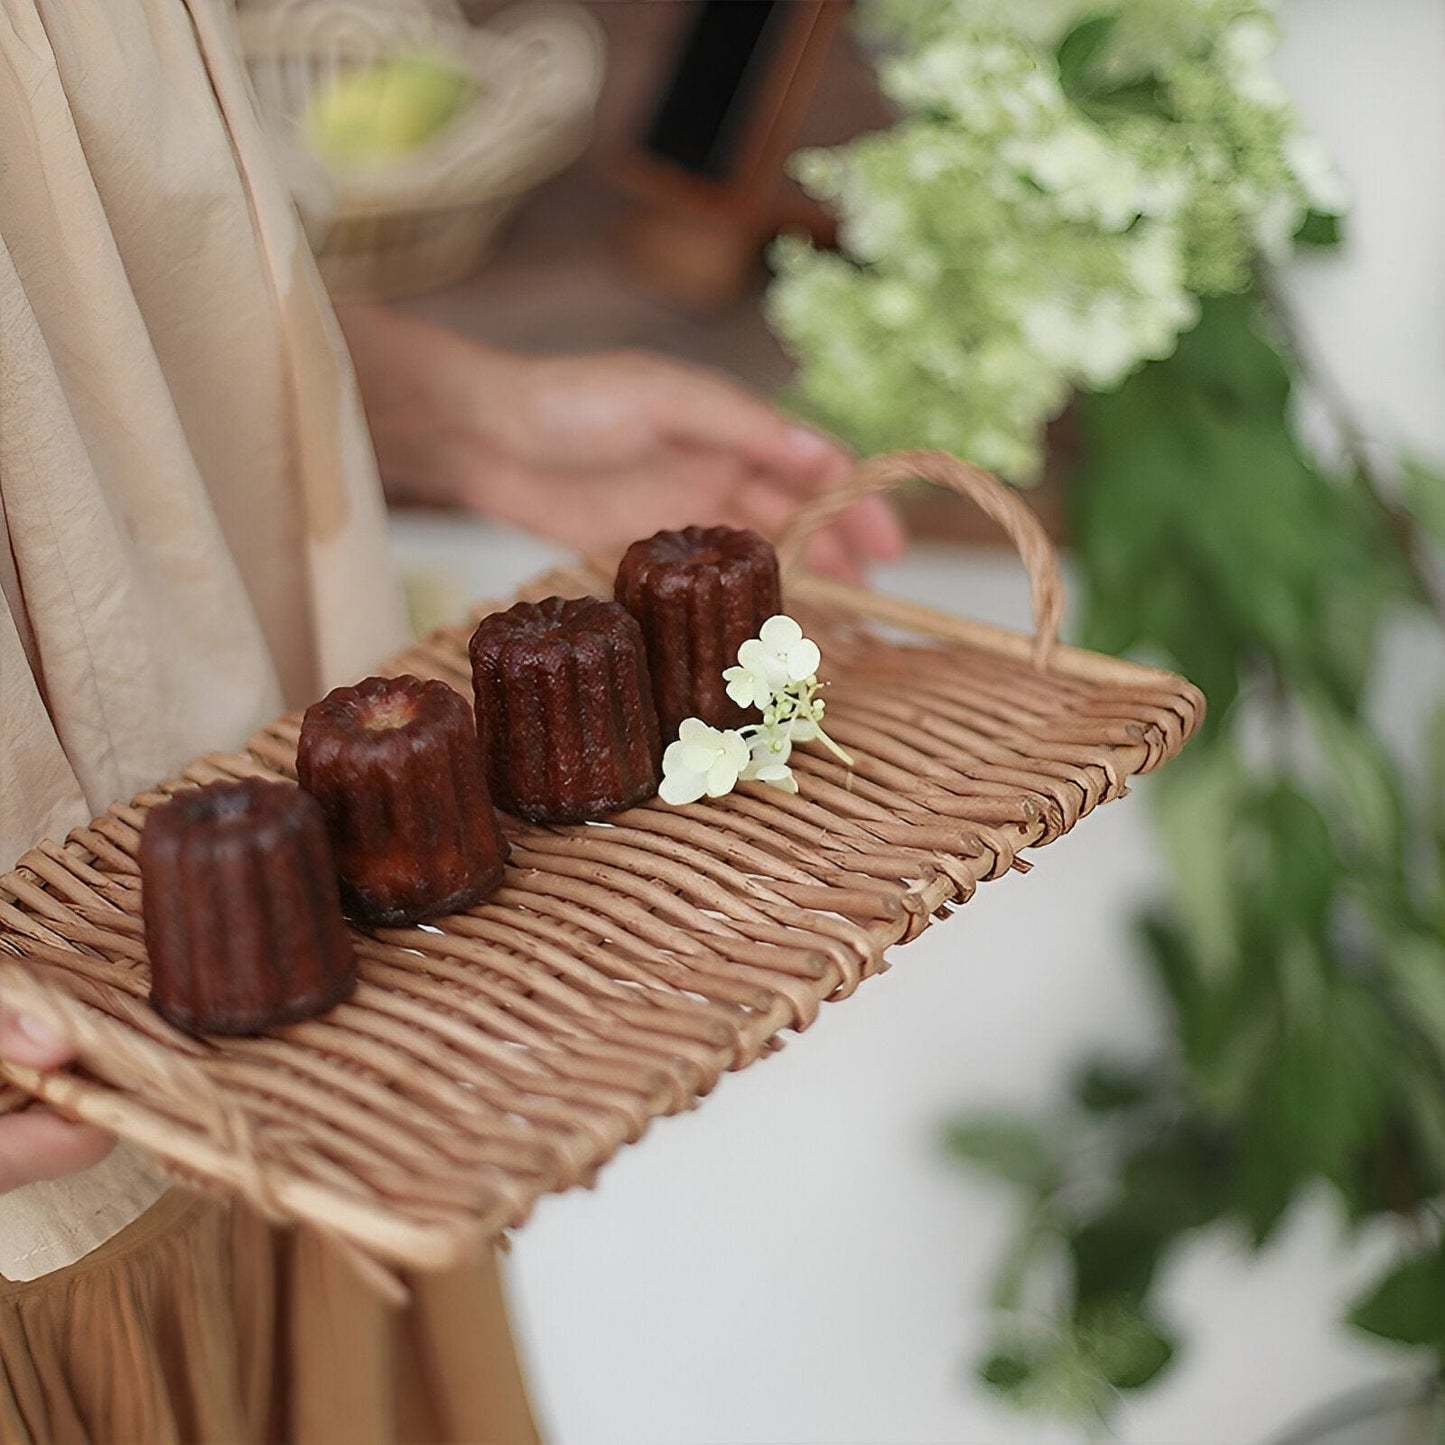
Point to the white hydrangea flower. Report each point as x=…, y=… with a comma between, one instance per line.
x=1275, y=223
x=778, y=656
x=1163, y=193
x=777, y=674
x=1086, y=176
x=1247, y=46
x=1321, y=183
x=768, y=764
x=748, y=688
x=703, y=760
x=1116, y=336
x=1152, y=261
x=1048, y=245
x=1053, y=329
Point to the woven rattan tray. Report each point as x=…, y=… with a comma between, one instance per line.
x=622, y=968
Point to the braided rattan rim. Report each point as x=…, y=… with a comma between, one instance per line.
x=993, y=497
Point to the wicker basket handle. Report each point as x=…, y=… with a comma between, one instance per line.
x=999, y=501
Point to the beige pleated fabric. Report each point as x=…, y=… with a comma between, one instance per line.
x=198, y=1323
x=191, y=536
x=191, y=528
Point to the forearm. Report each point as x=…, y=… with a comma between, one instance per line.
x=593, y=450
x=421, y=386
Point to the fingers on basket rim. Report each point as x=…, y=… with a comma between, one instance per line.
x=25, y=1040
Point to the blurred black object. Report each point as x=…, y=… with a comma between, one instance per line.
x=708, y=168
x=701, y=122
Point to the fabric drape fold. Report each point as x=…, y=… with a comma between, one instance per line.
x=192, y=534
x=199, y=1323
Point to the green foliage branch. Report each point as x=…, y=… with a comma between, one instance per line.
x=1300, y=958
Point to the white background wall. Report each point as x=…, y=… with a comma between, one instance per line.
x=794, y=1262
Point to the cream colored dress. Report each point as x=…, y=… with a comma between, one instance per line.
x=191, y=529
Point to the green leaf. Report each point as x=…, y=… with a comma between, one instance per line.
x=1009, y=1148
x=1006, y=1372
x=1230, y=357
x=1321, y=1096
x=1264, y=1184
x=1104, y=1087
x=1408, y=1305
x=1171, y=955
x=1362, y=771
x=1127, y=1348
x=1180, y=1180
x=1296, y=864
x=1115, y=1254
x=1434, y=750
x=1234, y=1045
x=1208, y=536
x=1197, y=802
x=1047, y=1371
x=1141, y=1357
x=1423, y=1102
x=1138, y=97
x=1319, y=229
x=1080, y=48
x=1330, y=1086
x=1424, y=489
x=1415, y=965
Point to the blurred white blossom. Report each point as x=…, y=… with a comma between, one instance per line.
x=1029, y=228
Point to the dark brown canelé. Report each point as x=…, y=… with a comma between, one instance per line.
x=393, y=762
x=698, y=594
x=242, y=919
x=565, y=714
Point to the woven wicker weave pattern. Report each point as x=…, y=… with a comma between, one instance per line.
x=621, y=969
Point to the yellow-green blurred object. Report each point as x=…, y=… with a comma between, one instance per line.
x=386, y=110
x=402, y=225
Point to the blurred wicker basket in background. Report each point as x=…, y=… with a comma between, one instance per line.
x=421, y=222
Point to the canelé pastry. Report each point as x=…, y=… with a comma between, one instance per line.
x=564, y=709
x=698, y=594
x=393, y=762
x=242, y=919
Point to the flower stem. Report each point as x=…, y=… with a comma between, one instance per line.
x=843, y=757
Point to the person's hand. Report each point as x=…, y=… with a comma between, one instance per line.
x=595, y=451
x=36, y=1144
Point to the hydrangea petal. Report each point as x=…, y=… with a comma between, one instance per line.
x=682, y=787
x=735, y=749
x=739, y=685
x=780, y=632
x=803, y=660
x=721, y=779
x=698, y=757
x=779, y=776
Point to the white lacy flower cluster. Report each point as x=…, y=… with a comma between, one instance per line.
x=1017, y=236
x=777, y=673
